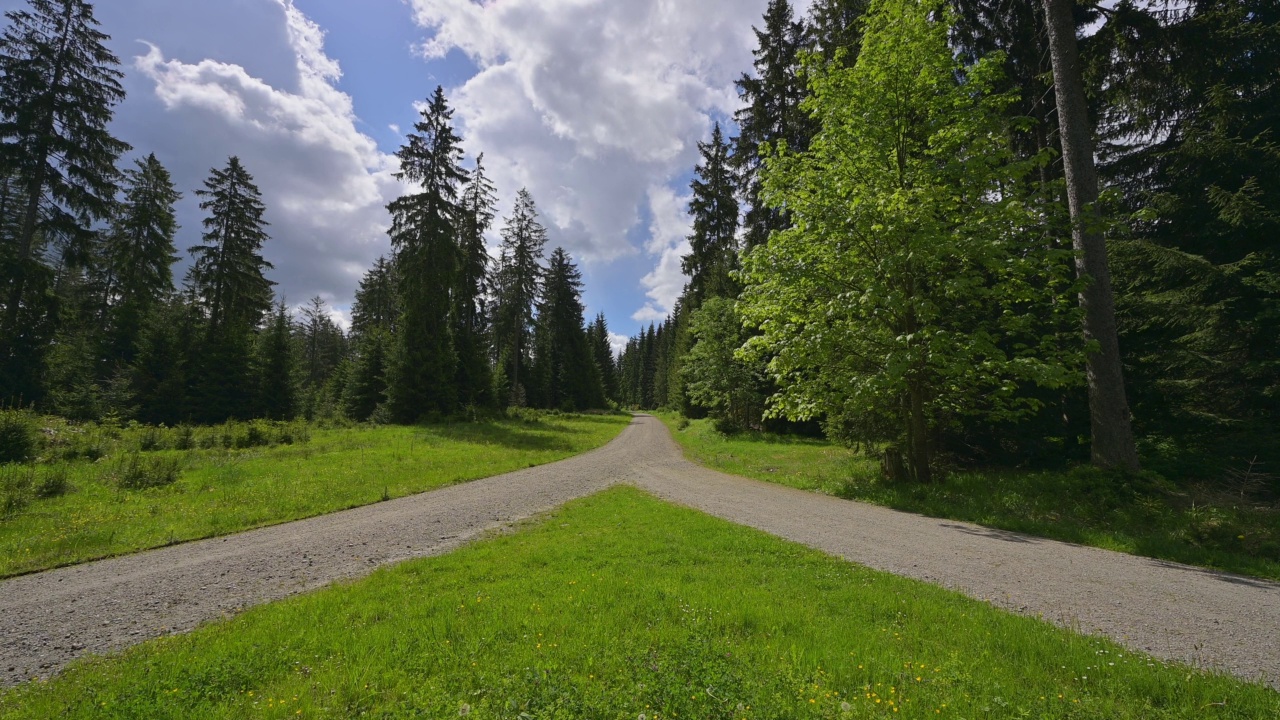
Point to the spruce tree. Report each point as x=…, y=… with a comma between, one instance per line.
x=569, y=378
x=367, y=384
x=836, y=27
x=139, y=254
x=516, y=290
x=424, y=235
x=59, y=85
x=277, y=396
x=602, y=350
x=772, y=114
x=714, y=242
x=160, y=372
x=228, y=283
x=471, y=322
x=377, y=306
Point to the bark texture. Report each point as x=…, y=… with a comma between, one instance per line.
x=1112, y=444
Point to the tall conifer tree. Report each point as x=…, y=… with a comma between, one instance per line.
x=424, y=235
x=516, y=289
x=567, y=376
x=772, y=113
x=376, y=306
x=714, y=242
x=59, y=85
x=475, y=384
x=139, y=253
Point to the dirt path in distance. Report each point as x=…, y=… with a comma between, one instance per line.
x=1175, y=612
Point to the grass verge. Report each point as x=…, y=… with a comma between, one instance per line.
x=619, y=606
x=204, y=492
x=1142, y=516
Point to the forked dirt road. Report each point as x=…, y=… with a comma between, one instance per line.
x=1174, y=612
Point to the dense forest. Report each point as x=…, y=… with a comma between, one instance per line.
x=95, y=327
x=903, y=244
x=957, y=233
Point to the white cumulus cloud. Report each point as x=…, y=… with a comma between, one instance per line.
x=324, y=182
x=596, y=106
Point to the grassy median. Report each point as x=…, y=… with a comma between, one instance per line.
x=620, y=606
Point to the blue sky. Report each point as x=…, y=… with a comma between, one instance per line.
x=595, y=105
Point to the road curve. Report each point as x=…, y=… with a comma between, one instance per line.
x=1175, y=612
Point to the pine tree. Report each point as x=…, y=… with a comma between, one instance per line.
x=568, y=378
x=516, y=290
x=323, y=343
x=376, y=306
x=367, y=384
x=277, y=396
x=772, y=114
x=424, y=235
x=139, y=254
x=714, y=242
x=59, y=85
x=228, y=270
x=228, y=284
x=836, y=26
x=159, y=373
x=602, y=350
x=474, y=380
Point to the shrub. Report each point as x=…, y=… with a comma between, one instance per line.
x=151, y=439
x=184, y=437
x=136, y=472
x=15, y=488
x=18, y=436
x=54, y=483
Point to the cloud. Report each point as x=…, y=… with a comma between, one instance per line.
x=324, y=182
x=668, y=241
x=596, y=107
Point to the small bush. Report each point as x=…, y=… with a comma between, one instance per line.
x=727, y=426
x=136, y=472
x=19, y=436
x=184, y=437
x=15, y=489
x=254, y=434
x=151, y=439
x=54, y=483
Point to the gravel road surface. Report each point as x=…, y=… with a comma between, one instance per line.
x=1171, y=611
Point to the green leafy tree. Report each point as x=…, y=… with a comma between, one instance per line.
x=715, y=376
x=59, y=85
x=517, y=286
x=908, y=294
x=139, y=254
x=424, y=235
x=713, y=257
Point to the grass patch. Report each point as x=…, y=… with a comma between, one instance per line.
x=111, y=497
x=619, y=606
x=1142, y=516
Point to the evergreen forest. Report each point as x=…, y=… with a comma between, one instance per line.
x=963, y=233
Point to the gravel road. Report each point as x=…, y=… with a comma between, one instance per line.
x=1175, y=612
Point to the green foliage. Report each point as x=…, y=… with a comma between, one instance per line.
x=1229, y=521
x=517, y=284
x=135, y=471
x=713, y=256
x=714, y=376
x=18, y=436
x=915, y=289
x=424, y=237
x=16, y=482
x=565, y=375
x=276, y=389
x=615, y=607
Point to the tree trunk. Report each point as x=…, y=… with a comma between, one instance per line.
x=1112, y=443
x=919, y=453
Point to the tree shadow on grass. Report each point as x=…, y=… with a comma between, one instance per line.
x=526, y=436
